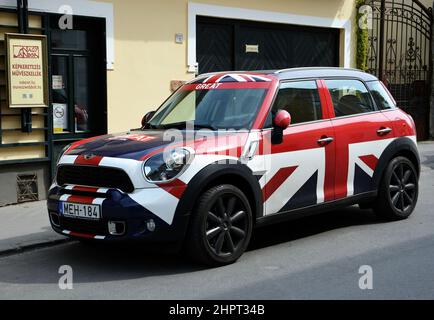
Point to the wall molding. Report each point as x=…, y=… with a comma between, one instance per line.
x=80, y=7
x=198, y=9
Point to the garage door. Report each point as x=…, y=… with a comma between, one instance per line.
x=244, y=45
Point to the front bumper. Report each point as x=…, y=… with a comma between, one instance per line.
x=117, y=207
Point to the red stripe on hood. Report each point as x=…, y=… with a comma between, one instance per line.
x=84, y=161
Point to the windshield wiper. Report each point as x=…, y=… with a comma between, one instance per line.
x=183, y=125
x=205, y=126
x=175, y=125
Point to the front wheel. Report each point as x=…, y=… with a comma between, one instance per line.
x=398, y=193
x=221, y=226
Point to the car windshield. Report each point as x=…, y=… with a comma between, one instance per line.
x=225, y=108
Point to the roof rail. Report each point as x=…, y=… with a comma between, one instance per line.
x=315, y=68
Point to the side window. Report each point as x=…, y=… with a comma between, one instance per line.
x=381, y=96
x=350, y=97
x=300, y=99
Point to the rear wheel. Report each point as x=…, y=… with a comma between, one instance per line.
x=398, y=193
x=221, y=226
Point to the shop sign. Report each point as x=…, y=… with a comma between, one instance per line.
x=26, y=70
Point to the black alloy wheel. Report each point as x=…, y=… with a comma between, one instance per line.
x=221, y=226
x=226, y=225
x=402, y=188
x=398, y=191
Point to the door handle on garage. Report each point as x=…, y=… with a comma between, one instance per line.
x=325, y=141
x=383, y=131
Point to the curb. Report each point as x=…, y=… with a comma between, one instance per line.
x=34, y=246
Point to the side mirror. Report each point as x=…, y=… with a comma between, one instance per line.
x=147, y=118
x=281, y=121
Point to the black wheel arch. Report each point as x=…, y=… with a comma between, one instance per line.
x=236, y=174
x=404, y=147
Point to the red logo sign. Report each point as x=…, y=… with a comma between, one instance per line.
x=26, y=52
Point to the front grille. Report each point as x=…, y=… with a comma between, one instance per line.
x=84, y=226
x=101, y=177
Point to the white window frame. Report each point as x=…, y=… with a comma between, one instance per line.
x=86, y=8
x=199, y=9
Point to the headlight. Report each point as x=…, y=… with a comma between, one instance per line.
x=165, y=167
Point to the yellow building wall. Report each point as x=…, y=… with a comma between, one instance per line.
x=147, y=57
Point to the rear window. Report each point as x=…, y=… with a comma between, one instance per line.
x=381, y=96
x=350, y=97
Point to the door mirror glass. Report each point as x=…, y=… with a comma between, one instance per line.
x=282, y=119
x=147, y=118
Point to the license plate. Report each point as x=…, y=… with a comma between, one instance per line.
x=80, y=211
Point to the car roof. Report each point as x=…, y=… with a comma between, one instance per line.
x=300, y=73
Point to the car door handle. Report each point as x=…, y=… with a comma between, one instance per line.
x=325, y=141
x=383, y=131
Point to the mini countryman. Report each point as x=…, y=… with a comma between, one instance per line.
x=228, y=152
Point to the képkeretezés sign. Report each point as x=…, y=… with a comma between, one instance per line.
x=26, y=70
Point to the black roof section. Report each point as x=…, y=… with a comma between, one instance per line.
x=308, y=72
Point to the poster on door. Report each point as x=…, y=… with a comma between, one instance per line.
x=57, y=82
x=26, y=67
x=60, y=117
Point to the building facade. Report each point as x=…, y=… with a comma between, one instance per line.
x=122, y=58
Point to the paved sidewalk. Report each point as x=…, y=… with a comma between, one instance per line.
x=24, y=226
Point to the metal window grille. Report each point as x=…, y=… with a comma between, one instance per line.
x=27, y=188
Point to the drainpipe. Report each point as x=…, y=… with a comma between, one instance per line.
x=431, y=102
x=381, y=75
x=23, y=27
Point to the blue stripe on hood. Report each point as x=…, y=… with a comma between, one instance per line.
x=121, y=146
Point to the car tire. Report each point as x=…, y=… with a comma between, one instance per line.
x=398, y=191
x=221, y=226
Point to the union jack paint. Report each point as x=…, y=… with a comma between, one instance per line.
x=328, y=161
